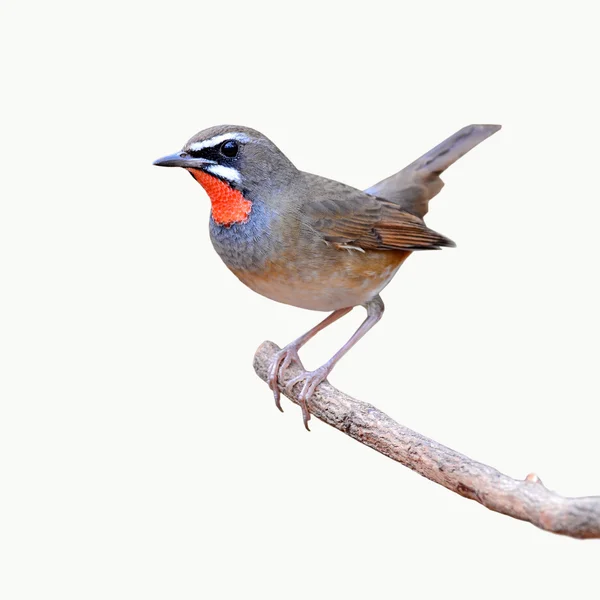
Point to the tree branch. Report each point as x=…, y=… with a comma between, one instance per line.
x=527, y=499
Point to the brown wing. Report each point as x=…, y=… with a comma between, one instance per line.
x=348, y=217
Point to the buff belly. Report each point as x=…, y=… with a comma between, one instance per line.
x=351, y=280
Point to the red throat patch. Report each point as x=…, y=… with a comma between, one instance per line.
x=228, y=205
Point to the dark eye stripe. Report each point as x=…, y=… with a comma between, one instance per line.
x=209, y=153
x=227, y=149
x=204, y=153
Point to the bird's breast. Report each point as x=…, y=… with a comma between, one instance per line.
x=245, y=245
x=278, y=257
x=323, y=282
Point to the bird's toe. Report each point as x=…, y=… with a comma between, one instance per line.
x=280, y=364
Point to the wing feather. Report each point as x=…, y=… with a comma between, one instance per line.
x=346, y=216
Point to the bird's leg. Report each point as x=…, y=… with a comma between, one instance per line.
x=286, y=355
x=314, y=378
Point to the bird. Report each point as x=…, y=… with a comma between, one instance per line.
x=311, y=242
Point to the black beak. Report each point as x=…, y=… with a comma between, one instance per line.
x=182, y=159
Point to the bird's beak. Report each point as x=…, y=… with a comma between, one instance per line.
x=182, y=159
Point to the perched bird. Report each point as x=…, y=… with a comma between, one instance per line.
x=311, y=242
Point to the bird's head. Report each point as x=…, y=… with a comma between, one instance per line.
x=236, y=166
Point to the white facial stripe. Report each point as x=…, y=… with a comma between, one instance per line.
x=217, y=139
x=228, y=173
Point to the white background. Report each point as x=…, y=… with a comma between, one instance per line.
x=140, y=455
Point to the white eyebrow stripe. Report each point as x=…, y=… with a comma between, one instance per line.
x=228, y=173
x=217, y=139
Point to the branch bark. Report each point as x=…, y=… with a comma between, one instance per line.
x=527, y=500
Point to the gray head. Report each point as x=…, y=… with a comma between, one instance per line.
x=242, y=157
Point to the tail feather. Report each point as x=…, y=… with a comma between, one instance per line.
x=419, y=182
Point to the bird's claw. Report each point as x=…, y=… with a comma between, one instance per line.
x=280, y=363
x=311, y=381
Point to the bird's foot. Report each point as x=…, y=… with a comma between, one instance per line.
x=281, y=362
x=311, y=381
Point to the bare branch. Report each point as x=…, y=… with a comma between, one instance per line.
x=526, y=499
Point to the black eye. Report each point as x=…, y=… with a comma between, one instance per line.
x=229, y=148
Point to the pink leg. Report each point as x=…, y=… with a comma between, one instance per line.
x=313, y=379
x=285, y=356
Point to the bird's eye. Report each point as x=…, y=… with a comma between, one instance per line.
x=229, y=148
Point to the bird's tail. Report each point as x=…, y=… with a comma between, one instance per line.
x=419, y=182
